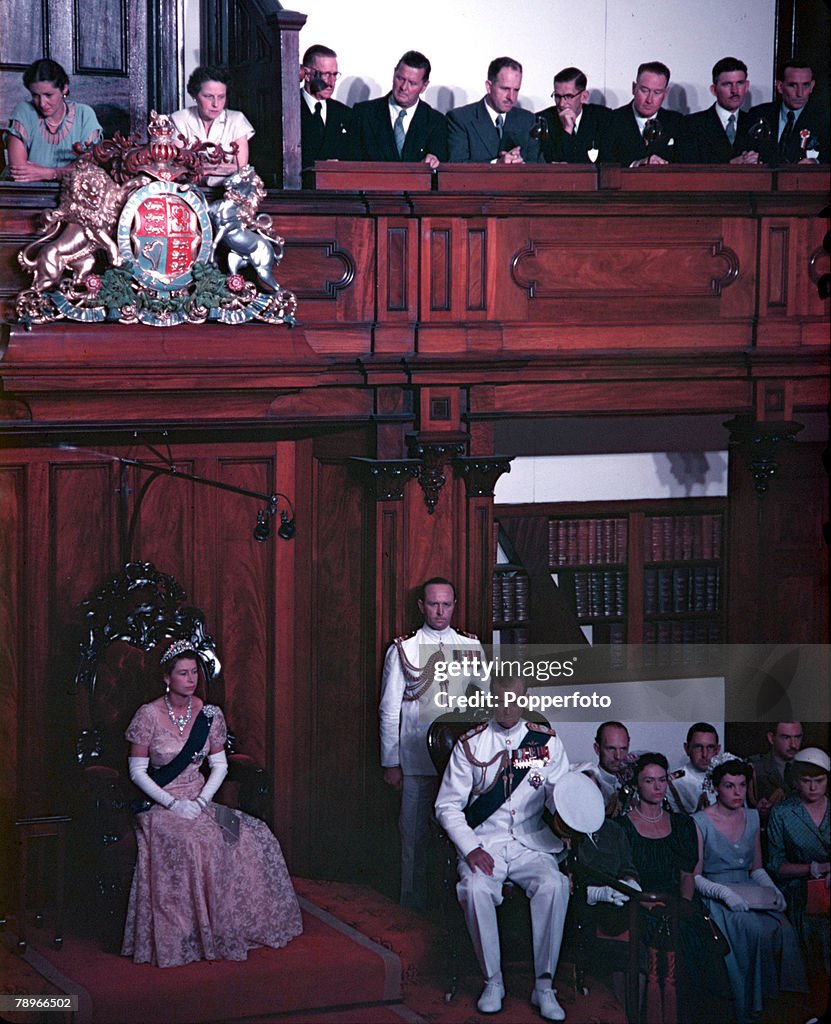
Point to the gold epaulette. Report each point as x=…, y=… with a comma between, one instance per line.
x=540, y=727
x=466, y=635
x=406, y=636
x=473, y=732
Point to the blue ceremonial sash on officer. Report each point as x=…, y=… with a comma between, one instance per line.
x=534, y=756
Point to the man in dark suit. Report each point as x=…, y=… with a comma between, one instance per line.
x=494, y=130
x=719, y=135
x=624, y=141
x=400, y=125
x=575, y=126
x=327, y=127
x=797, y=128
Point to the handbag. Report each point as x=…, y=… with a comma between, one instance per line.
x=817, y=897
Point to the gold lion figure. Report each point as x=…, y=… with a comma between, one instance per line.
x=82, y=224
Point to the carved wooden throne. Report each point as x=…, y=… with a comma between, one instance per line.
x=126, y=621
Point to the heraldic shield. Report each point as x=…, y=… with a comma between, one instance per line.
x=133, y=240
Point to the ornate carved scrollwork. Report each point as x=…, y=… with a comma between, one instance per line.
x=760, y=440
x=480, y=473
x=386, y=477
x=434, y=457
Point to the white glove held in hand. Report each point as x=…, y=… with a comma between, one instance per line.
x=761, y=877
x=715, y=891
x=604, y=894
x=187, y=809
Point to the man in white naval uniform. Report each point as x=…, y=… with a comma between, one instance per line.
x=611, y=744
x=499, y=779
x=408, y=705
x=687, y=793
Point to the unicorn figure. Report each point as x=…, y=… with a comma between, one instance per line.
x=248, y=236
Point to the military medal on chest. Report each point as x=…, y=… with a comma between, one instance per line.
x=534, y=756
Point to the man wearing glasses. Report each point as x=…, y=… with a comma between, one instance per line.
x=327, y=127
x=575, y=126
x=401, y=126
x=643, y=132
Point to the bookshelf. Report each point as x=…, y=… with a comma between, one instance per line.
x=637, y=572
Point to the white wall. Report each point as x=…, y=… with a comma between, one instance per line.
x=606, y=38
x=614, y=477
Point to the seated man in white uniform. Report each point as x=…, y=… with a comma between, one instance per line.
x=499, y=779
x=687, y=793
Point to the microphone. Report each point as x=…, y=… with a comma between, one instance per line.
x=317, y=83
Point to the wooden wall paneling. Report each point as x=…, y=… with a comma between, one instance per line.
x=82, y=546
x=329, y=263
x=243, y=581
x=397, y=278
x=478, y=548
x=14, y=649
x=288, y=708
x=812, y=260
x=777, y=556
x=432, y=541
x=681, y=269
x=343, y=699
x=164, y=526
x=454, y=258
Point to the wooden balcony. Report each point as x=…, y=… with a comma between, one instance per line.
x=557, y=288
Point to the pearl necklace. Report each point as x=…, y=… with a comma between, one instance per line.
x=646, y=816
x=182, y=720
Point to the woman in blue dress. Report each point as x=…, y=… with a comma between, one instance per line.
x=764, y=957
x=799, y=840
x=43, y=130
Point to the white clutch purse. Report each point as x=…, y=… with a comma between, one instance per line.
x=757, y=897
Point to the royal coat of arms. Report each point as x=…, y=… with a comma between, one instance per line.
x=134, y=240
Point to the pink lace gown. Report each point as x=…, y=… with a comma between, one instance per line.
x=195, y=895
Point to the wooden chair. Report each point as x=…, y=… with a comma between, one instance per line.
x=514, y=913
x=126, y=621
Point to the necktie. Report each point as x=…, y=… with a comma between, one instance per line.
x=319, y=112
x=787, y=131
x=398, y=130
x=500, y=120
x=731, y=128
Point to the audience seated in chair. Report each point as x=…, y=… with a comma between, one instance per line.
x=764, y=957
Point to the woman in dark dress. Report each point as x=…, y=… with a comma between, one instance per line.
x=665, y=850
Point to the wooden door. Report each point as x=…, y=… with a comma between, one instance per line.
x=102, y=45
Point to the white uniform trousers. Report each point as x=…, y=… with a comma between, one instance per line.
x=418, y=794
x=545, y=886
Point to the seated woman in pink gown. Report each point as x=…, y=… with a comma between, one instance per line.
x=209, y=883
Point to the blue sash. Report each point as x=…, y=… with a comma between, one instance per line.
x=485, y=804
x=166, y=773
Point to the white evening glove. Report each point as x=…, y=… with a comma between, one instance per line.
x=138, y=776
x=219, y=769
x=605, y=894
x=761, y=877
x=715, y=891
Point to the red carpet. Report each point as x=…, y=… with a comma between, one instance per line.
x=329, y=967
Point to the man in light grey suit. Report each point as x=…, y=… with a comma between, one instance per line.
x=494, y=130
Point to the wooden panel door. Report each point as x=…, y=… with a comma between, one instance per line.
x=102, y=45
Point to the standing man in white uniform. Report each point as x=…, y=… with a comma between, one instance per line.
x=408, y=706
x=498, y=781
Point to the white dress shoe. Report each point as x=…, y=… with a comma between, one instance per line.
x=546, y=1002
x=491, y=998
